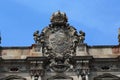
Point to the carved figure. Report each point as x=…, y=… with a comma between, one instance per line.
x=119, y=39
x=0, y=39
x=36, y=36
x=81, y=36
x=119, y=36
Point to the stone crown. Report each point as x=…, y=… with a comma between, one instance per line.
x=59, y=18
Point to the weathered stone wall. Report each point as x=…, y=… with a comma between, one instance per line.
x=104, y=52
x=15, y=53
x=82, y=50
x=95, y=51
x=19, y=52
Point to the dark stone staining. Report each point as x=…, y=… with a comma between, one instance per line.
x=14, y=69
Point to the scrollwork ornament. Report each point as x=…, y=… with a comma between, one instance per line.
x=59, y=38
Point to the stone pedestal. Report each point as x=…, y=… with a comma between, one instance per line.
x=81, y=50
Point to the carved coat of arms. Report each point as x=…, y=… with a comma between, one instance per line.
x=59, y=39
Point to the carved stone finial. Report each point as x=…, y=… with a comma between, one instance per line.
x=59, y=18
x=0, y=38
x=119, y=36
x=81, y=36
x=36, y=36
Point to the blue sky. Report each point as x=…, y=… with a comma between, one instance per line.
x=100, y=19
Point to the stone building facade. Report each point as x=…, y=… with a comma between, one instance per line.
x=59, y=53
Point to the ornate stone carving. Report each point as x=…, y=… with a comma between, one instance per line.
x=60, y=77
x=36, y=36
x=119, y=36
x=59, y=39
x=0, y=39
x=59, y=18
x=82, y=69
x=59, y=42
x=36, y=70
x=13, y=77
x=107, y=76
x=81, y=36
